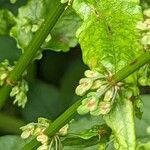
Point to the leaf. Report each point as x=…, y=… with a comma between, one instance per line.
x=32, y=15
x=121, y=121
x=43, y=101
x=143, y=124
x=108, y=37
x=64, y=32
x=8, y=49
x=78, y=126
x=11, y=142
x=70, y=81
x=7, y=21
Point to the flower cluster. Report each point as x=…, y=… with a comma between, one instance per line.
x=19, y=91
x=38, y=130
x=5, y=68
x=144, y=28
x=96, y=85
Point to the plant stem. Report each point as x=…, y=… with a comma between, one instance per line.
x=71, y=111
x=132, y=67
x=15, y=124
x=32, y=48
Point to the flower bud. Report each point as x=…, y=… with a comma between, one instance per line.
x=108, y=95
x=84, y=85
x=64, y=130
x=92, y=74
x=3, y=76
x=45, y=122
x=82, y=110
x=147, y=12
x=143, y=81
x=146, y=40
x=97, y=84
x=25, y=134
x=104, y=107
x=27, y=130
x=90, y=103
x=43, y=147
x=42, y=138
x=14, y=91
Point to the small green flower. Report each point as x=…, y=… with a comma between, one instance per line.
x=39, y=130
x=88, y=104
x=82, y=110
x=84, y=85
x=101, y=90
x=64, y=130
x=42, y=138
x=92, y=74
x=109, y=95
x=141, y=26
x=44, y=122
x=5, y=68
x=19, y=92
x=21, y=99
x=143, y=81
x=103, y=108
x=146, y=40
x=43, y=147
x=14, y=91
x=147, y=12
x=3, y=76
x=97, y=84
x=27, y=130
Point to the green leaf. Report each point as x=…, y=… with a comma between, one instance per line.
x=11, y=142
x=7, y=21
x=70, y=81
x=143, y=124
x=63, y=34
x=77, y=126
x=8, y=49
x=121, y=121
x=43, y=101
x=32, y=15
x=108, y=36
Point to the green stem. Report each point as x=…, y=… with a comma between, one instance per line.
x=15, y=124
x=132, y=67
x=32, y=48
x=71, y=111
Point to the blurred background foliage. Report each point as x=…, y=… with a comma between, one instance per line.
x=52, y=81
